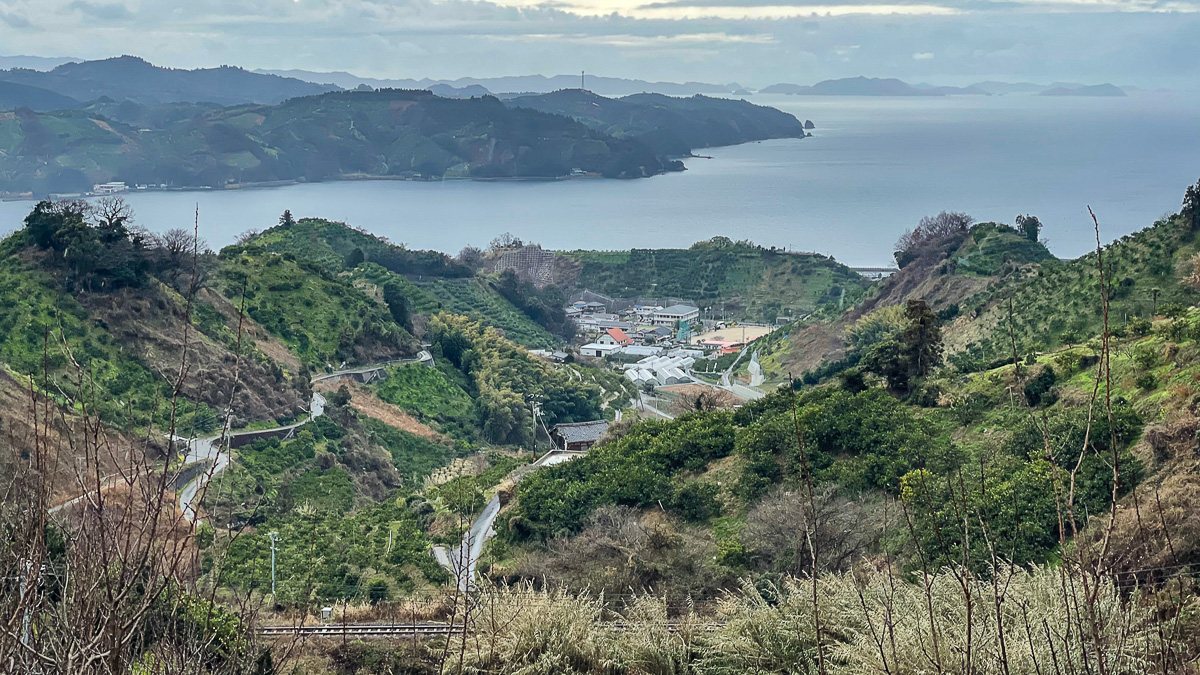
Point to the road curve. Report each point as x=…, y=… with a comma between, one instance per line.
x=209, y=448
x=461, y=565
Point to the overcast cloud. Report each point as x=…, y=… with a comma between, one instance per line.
x=1148, y=43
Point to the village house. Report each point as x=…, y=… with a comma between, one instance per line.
x=578, y=436
x=656, y=335
x=615, y=336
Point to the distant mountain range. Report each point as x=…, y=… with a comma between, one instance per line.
x=134, y=79
x=517, y=84
x=867, y=86
x=870, y=86
x=1094, y=90
x=34, y=62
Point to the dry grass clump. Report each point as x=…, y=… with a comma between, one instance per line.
x=520, y=630
x=1021, y=620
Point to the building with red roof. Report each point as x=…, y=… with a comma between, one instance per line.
x=615, y=336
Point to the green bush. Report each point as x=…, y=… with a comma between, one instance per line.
x=1146, y=381
x=696, y=501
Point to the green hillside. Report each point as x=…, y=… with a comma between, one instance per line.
x=323, y=320
x=945, y=272
x=751, y=281
x=429, y=281
x=95, y=314
x=391, y=133
x=669, y=125
x=1058, y=303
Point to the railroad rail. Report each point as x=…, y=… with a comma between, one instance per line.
x=363, y=630
x=414, y=629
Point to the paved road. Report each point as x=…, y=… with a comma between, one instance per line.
x=461, y=565
x=210, y=449
x=756, y=371
x=423, y=356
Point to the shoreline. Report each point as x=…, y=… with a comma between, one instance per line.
x=21, y=197
x=264, y=185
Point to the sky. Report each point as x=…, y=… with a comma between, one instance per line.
x=1147, y=43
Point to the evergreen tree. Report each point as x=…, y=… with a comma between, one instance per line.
x=1191, y=205
x=1030, y=226
x=397, y=304
x=922, y=338
x=286, y=219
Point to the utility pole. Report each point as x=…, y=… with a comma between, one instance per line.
x=26, y=633
x=582, y=80
x=274, y=539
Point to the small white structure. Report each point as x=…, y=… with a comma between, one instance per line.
x=596, y=349
x=109, y=188
x=642, y=350
x=660, y=369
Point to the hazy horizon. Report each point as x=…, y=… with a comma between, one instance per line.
x=1146, y=43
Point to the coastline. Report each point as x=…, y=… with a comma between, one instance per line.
x=29, y=197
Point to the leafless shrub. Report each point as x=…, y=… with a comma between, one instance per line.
x=701, y=399
x=620, y=550
x=932, y=230
x=106, y=582
x=778, y=531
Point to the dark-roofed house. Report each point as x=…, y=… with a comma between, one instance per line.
x=578, y=436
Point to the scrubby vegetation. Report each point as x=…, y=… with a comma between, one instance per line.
x=1056, y=305
x=431, y=396
x=322, y=318
x=749, y=280
x=918, y=505
x=508, y=384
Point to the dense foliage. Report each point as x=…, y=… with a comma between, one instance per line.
x=430, y=395
x=508, y=383
x=671, y=126
x=336, y=135
x=633, y=471
x=323, y=319
x=544, y=306
x=335, y=247
x=749, y=280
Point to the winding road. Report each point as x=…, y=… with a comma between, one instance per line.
x=462, y=560
x=211, y=449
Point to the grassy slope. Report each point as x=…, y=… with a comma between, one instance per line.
x=989, y=253
x=324, y=320
x=41, y=327
x=752, y=281
x=430, y=281
x=1061, y=298
x=474, y=298
x=430, y=395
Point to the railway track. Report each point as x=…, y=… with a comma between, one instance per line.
x=362, y=630
x=405, y=629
